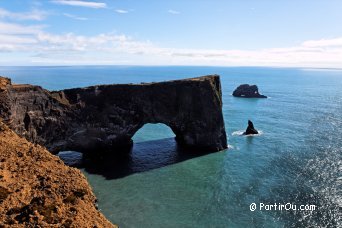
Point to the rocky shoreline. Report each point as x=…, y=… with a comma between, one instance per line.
x=38, y=190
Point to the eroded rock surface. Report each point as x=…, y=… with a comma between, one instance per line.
x=248, y=91
x=107, y=116
x=38, y=190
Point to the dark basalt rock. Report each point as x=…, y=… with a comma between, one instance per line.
x=107, y=116
x=248, y=91
x=250, y=129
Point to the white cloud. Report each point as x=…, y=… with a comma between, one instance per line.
x=337, y=42
x=33, y=43
x=103, y=42
x=17, y=38
x=35, y=14
x=12, y=28
x=173, y=11
x=121, y=11
x=95, y=5
x=13, y=39
x=75, y=17
x=9, y=43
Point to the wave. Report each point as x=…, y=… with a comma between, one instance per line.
x=240, y=133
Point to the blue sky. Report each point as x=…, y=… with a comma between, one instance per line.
x=177, y=32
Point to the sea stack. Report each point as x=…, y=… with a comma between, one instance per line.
x=248, y=91
x=250, y=129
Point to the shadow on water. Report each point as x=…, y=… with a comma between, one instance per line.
x=143, y=156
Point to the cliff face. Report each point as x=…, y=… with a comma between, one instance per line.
x=38, y=190
x=107, y=116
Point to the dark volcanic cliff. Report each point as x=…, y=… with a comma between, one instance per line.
x=107, y=116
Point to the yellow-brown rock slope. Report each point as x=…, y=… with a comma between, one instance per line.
x=38, y=190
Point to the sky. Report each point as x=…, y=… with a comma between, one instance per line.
x=284, y=33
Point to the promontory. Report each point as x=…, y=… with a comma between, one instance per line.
x=105, y=117
x=38, y=190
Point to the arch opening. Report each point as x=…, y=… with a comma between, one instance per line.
x=153, y=131
x=154, y=146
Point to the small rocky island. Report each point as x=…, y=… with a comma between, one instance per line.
x=250, y=129
x=248, y=91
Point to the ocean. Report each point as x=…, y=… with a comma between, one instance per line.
x=295, y=161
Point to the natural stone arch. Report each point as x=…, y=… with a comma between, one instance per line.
x=107, y=116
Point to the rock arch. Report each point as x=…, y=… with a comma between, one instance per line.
x=107, y=116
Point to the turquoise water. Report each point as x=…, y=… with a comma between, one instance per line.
x=296, y=159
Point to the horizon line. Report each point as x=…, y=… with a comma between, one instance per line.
x=211, y=66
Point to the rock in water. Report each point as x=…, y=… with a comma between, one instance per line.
x=250, y=129
x=248, y=91
x=106, y=117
